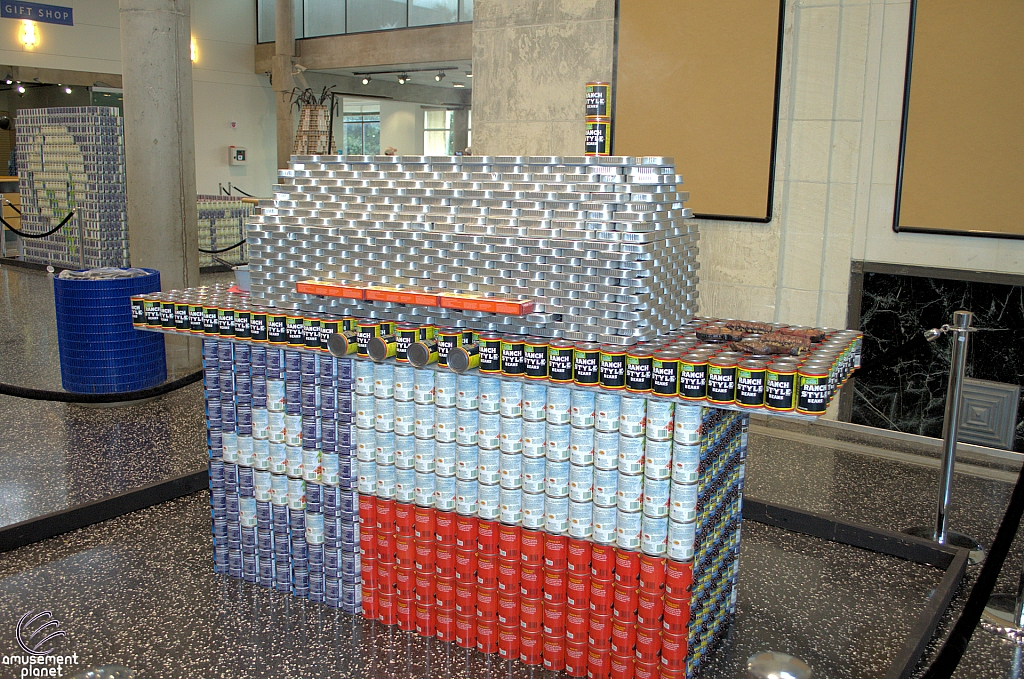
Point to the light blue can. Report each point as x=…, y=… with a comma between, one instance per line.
x=296, y=494
x=275, y=396
x=314, y=528
x=312, y=471
x=581, y=445
x=606, y=450
x=444, y=459
x=405, y=452
x=581, y=483
x=656, y=497
x=556, y=514
x=466, y=461
x=329, y=469
x=559, y=405
x=366, y=444
x=260, y=423
x=687, y=424
x=511, y=399
x=275, y=426
x=246, y=454
x=423, y=455
x=511, y=468
x=468, y=392
x=628, y=528
x=405, y=418
x=558, y=436
x=581, y=520
x=658, y=459
x=424, y=422
x=681, y=537
x=384, y=414
x=278, y=458
x=582, y=409
x=632, y=416
x=445, y=389
x=685, y=463
x=363, y=378
x=261, y=454
x=293, y=430
x=444, y=493
x=660, y=421
x=556, y=478
x=510, y=501
x=293, y=462
x=510, y=437
x=384, y=447
x=533, y=474
x=405, y=485
x=605, y=523
x=654, y=536
x=384, y=380
x=631, y=492
x=424, y=489
x=533, y=510
x=467, y=427
x=465, y=497
x=606, y=412
x=279, y=490
x=405, y=379
x=446, y=422
x=488, y=501
x=535, y=401
x=534, y=438
x=364, y=411
x=683, y=507
x=367, y=477
x=489, y=432
x=423, y=387
x=261, y=484
x=247, y=512
x=631, y=454
x=489, y=395
x=489, y=466
x=606, y=487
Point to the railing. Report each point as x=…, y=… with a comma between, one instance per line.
x=316, y=18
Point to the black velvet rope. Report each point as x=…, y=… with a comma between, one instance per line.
x=68, y=397
x=217, y=252
x=39, y=235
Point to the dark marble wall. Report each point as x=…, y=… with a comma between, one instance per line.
x=903, y=384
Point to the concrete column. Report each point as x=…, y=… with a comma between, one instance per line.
x=460, y=129
x=160, y=149
x=284, y=56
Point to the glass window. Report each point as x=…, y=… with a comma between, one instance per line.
x=376, y=15
x=437, y=133
x=465, y=10
x=265, y=20
x=362, y=130
x=324, y=17
x=430, y=12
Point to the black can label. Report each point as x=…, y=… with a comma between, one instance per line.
x=327, y=328
x=638, y=373
x=535, y=358
x=512, y=357
x=277, y=329
x=403, y=340
x=364, y=333
x=779, y=392
x=446, y=341
x=167, y=315
x=195, y=318
x=226, y=322
x=242, y=321
x=560, y=364
x=813, y=395
x=490, y=356
x=693, y=381
x=210, y=325
x=138, y=311
x=613, y=370
x=750, y=387
x=258, y=327
x=311, y=333
x=665, y=376
x=293, y=331
x=722, y=384
x=598, y=96
x=181, y=316
x=151, y=308
x=598, y=139
x=587, y=367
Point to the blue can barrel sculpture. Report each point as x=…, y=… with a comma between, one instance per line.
x=100, y=351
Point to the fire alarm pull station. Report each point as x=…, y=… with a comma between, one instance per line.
x=236, y=155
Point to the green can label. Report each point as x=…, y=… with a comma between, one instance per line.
x=403, y=340
x=587, y=367
x=446, y=341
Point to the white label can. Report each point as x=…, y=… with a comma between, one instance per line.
x=559, y=405
x=511, y=399
x=465, y=497
x=656, y=497
x=314, y=528
x=488, y=501
x=581, y=519
x=685, y=463
x=367, y=477
x=511, y=435
x=606, y=487
x=630, y=497
x=606, y=450
x=632, y=416
x=296, y=494
x=534, y=438
x=582, y=409
x=260, y=423
x=511, y=468
x=628, y=529
x=261, y=454
x=405, y=379
x=366, y=444
x=683, y=506
x=423, y=455
x=659, y=419
x=384, y=380
x=467, y=428
x=386, y=481
x=581, y=483
x=446, y=389
x=468, y=392
x=276, y=426
x=533, y=474
x=466, y=460
x=581, y=446
x=446, y=422
x=654, y=536
x=444, y=493
x=311, y=469
x=405, y=485
x=606, y=407
x=489, y=466
x=261, y=484
x=423, y=387
x=605, y=523
x=423, y=494
x=384, y=414
x=511, y=506
x=631, y=454
x=278, y=458
x=558, y=442
x=329, y=466
x=293, y=463
x=275, y=396
x=556, y=514
x=279, y=487
x=405, y=418
x=423, y=425
x=364, y=407
x=489, y=430
x=246, y=453
x=489, y=400
x=687, y=424
x=444, y=458
x=533, y=510
x=535, y=401
x=658, y=459
x=680, y=540
x=405, y=452
x=293, y=430
x=363, y=378
x=556, y=478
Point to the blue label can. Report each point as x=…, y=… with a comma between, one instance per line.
x=556, y=480
x=488, y=501
x=446, y=389
x=656, y=497
x=465, y=497
x=445, y=424
x=488, y=466
x=423, y=387
x=466, y=461
x=534, y=470
x=445, y=459
x=581, y=446
x=606, y=450
x=559, y=405
x=511, y=435
x=631, y=454
x=632, y=416
x=488, y=435
x=384, y=447
x=467, y=427
x=556, y=514
x=660, y=421
x=384, y=380
x=425, y=421
x=489, y=400
x=444, y=492
x=511, y=399
x=581, y=520
x=606, y=487
x=511, y=506
x=681, y=537
x=511, y=469
x=423, y=455
x=535, y=401
x=581, y=483
x=533, y=510
x=685, y=463
x=683, y=506
x=405, y=485
x=362, y=376
x=424, y=491
x=404, y=385
x=654, y=536
x=582, y=409
x=328, y=398
x=293, y=462
x=628, y=529
x=658, y=459
x=558, y=436
x=631, y=492
x=467, y=392
x=405, y=418
x=405, y=452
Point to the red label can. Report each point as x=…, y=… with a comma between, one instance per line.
x=575, y=658
x=508, y=642
x=648, y=643
x=601, y=592
x=368, y=543
x=486, y=603
x=444, y=528
x=531, y=547
x=645, y=670
x=424, y=523
x=556, y=551
x=531, y=581
x=487, y=570
x=426, y=620
x=676, y=615
x=405, y=614
x=649, y=608
x=444, y=566
x=602, y=562
x=600, y=633
x=531, y=614
x=508, y=609
x=621, y=666
x=666, y=672
x=673, y=650
x=508, y=542
x=599, y=663
x=678, y=578
x=426, y=557
x=508, y=575
x=624, y=601
x=623, y=636
x=465, y=564
x=368, y=510
x=446, y=624
x=553, y=651
x=405, y=581
x=487, y=537
x=386, y=548
x=555, y=583
x=387, y=574
x=554, y=620
x=530, y=648
x=578, y=558
x=405, y=519
x=652, y=573
x=465, y=598
x=465, y=532
x=577, y=624
x=577, y=590
x=487, y=636
x=385, y=515
x=465, y=631
x=368, y=570
x=405, y=550
x=444, y=592
x=370, y=608
x=386, y=612
x=627, y=567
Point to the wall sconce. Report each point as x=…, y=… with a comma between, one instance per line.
x=194, y=50
x=29, y=34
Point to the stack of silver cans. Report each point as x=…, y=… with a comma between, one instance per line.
x=601, y=245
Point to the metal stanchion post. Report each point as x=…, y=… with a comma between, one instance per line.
x=940, y=532
x=773, y=665
x=1004, y=615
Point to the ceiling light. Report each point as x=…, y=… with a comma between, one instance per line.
x=402, y=79
x=469, y=74
x=21, y=89
x=67, y=90
x=193, y=50
x=457, y=85
x=366, y=80
x=439, y=77
x=8, y=80
x=29, y=34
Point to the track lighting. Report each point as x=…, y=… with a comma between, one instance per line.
x=67, y=90
x=439, y=77
x=366, y=80
x=402, y=79
x=21, y=89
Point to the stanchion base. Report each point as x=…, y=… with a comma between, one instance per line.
x=977, y=552
x=772, y=665
x=998, y=618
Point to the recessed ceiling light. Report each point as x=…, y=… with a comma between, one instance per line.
x=469, y=74
x=457, y=85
